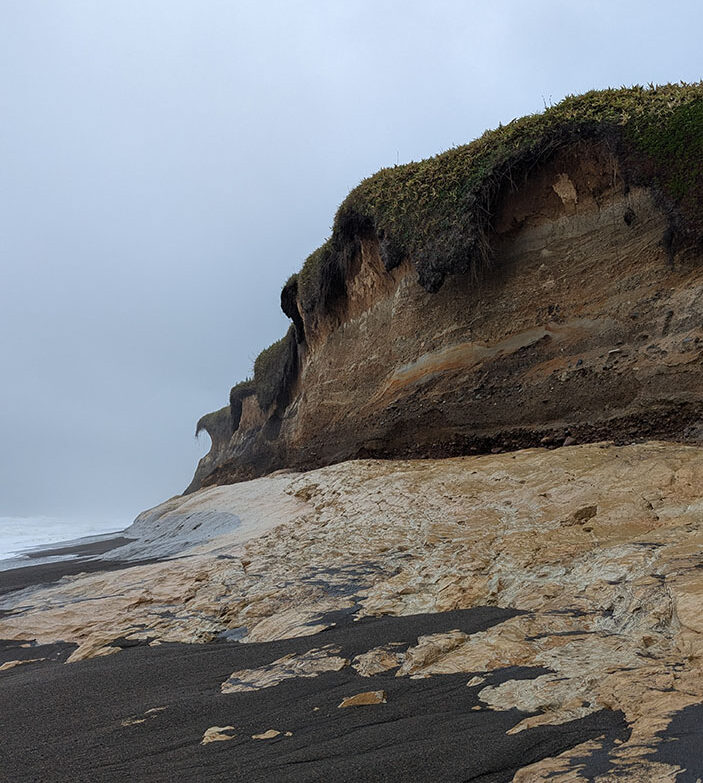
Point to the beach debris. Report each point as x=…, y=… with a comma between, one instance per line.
x=217, y=734
x=364, y=699
x=266, y=735
x=135, y=720
x=307, y=664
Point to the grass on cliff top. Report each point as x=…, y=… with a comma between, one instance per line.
x=438, y=211
x=274, y=368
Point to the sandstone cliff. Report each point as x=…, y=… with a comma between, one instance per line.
x=542, y=284
x=531, y=614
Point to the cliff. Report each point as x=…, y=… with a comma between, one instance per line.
x=522, y=614
x=541, y=285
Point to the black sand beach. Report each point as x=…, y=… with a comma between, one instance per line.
x=140, y=714
x=90, y=549
x=65, y=722
x=82, y=561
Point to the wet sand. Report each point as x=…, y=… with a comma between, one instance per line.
x=67, y=722
x=47, y=573
x=82, y=550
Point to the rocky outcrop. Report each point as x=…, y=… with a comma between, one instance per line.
x=590, y=556
x=587, y=325
x=529, y=614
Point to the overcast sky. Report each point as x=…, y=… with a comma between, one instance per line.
x=166, y=164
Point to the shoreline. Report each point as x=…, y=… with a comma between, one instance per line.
x=81, y=558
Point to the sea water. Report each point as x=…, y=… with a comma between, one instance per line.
x=19, y=535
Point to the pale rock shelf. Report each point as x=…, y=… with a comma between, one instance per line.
x=599, y=548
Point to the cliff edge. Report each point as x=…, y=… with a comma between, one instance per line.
x=541, y=285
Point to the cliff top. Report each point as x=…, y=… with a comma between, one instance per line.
x=438, y=212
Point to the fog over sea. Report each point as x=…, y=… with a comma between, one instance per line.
x=19, y=534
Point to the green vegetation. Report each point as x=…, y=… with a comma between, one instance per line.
x=438, y=211
x=675, y=142
x=275, y=367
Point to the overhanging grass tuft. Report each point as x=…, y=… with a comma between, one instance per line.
x=275, y=369
x=217, y=424
x=289, y=305
x=438, y=211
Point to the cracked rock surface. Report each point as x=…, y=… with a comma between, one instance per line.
x=591, y=556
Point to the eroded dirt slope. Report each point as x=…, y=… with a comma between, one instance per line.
x=587, y=327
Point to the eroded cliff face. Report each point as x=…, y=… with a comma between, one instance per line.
x=587, y=326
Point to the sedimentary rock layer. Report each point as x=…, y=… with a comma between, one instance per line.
x=587, y=326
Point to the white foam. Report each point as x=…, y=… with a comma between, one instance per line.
x=22, y=534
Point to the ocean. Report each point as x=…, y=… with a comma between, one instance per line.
x=20, y=534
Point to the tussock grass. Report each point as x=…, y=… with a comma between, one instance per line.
x=274, y=370
x=438, y=211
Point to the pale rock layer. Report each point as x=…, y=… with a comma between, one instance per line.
x=598, y=547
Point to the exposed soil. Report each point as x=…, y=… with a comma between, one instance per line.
x=582, y=330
